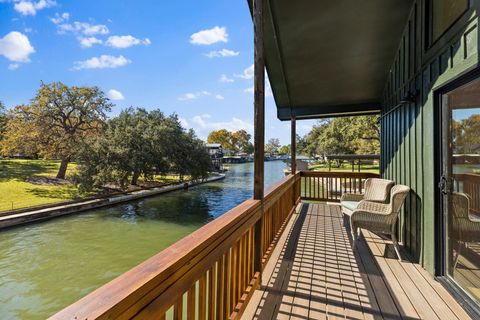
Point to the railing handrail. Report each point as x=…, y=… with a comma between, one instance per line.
x=339, y=174
x=132, y=291
x=467, y=176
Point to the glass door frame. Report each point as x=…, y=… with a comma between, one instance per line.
x=442, y=119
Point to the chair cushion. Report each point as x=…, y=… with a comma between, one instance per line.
x=350, y=205
x=378, y=190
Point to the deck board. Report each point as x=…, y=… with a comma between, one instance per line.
x=314, y=274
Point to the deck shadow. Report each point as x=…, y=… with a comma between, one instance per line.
x=319, y=276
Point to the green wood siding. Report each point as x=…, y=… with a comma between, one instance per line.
x=407, y=131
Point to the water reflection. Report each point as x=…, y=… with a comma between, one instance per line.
x=47, y=266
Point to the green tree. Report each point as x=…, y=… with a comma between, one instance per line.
x=311, y=144
x=131, y=146
x=466, y=135
x=20, y=133
x=284, y=149
x=301, y=144
x=137, y=144
x=241, y=141
x=57, y=122
x=272, y=146
x=345, y=135
x=188, y=155
x=238, y=141
x=222, y=136
x=3, y=120
x=193, y=160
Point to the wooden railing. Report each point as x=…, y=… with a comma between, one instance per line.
x=206, y=275
x=329, y=186
x=469, y=183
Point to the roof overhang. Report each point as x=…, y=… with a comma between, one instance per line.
x=331, y=58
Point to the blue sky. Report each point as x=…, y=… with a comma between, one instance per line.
x=190, y=57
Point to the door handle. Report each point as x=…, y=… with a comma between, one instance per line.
x=445, y=185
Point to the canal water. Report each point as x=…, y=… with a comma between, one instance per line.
x=44, y=267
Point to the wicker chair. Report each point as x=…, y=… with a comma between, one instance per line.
x=379, y=217
x=465, y=228
x=376, y=190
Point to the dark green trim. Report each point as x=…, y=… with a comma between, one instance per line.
x=430, y=51
x=317, y=112
x=461, y=297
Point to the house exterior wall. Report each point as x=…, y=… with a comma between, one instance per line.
x=407, y=131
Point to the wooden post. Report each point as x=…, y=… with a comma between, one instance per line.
x=293, y=145
x=293, y=155
x=259, y=125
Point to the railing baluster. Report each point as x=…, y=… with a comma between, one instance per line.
x=211, y=292
x=191, y=303
x=233, y=278
x=227, y=284
x=178, y=309
x=329, y=186
x=240, y=270
x=202, y=298
x=221, y=291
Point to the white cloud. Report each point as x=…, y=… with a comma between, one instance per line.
x=13, y=66
x=225, y=79
x=126, y=41
x=188, y=96
x=219, y=97
x=16, y=47
x=210, y=36
x=222, y=53
x=83, y=28
x=30, y=8
x=247, y=73
x=115, y=95
x=102, y=62
x=203, y=124
x=60, y=18
x=193, y=95
x=89, y=42
x=28, y=30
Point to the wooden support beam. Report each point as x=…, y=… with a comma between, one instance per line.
x=259, y=125
x=259, y=101
x=293, y=145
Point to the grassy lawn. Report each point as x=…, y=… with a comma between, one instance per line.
x=18, y=193
x=18, y=188
x=346, y=167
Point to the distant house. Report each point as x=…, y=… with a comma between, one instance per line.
x=215, y=150
x=216, y=154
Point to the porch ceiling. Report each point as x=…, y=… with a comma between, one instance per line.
x=329, y=58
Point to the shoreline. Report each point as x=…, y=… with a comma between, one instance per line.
x=58, y=210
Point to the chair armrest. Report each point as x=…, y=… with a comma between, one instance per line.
x=351, y=197
x=473, y=218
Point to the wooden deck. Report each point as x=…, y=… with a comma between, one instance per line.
x=313, y=274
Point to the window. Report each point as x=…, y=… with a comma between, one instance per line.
x=444, y=13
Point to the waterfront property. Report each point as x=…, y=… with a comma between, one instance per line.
x=88, y=249
x=276, y=256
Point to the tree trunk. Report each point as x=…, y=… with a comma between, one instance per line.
x=136, y=175
x=62, y=171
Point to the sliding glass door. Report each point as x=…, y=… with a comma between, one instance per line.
x=460, y=186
